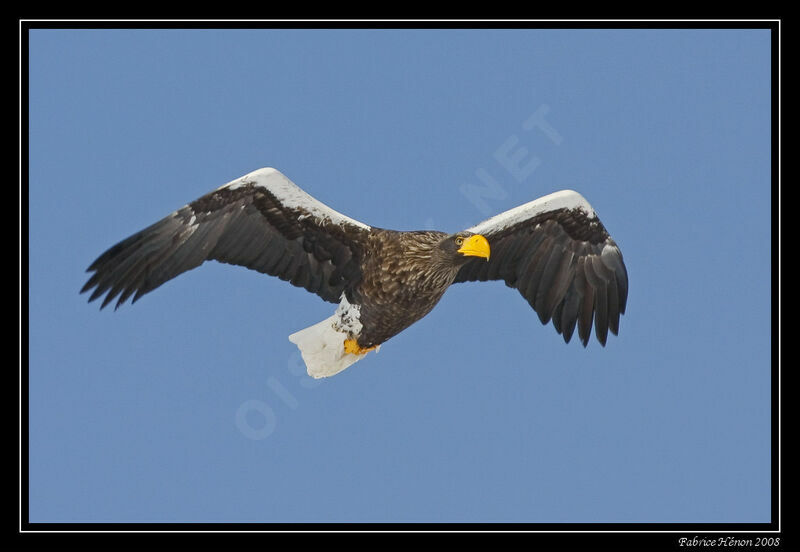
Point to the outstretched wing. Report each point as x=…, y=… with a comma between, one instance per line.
x=557, y=253
x=262, y=221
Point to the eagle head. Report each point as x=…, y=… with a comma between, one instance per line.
x=463, y=245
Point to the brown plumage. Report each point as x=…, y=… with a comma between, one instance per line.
x=554, y=250
x=403, y=276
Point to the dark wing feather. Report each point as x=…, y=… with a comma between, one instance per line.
x=557, y=253
x=261, y=221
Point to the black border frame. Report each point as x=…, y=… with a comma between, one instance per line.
x=620, y=535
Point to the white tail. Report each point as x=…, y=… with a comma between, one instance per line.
x=322, y=345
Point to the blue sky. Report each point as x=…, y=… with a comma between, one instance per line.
x=192, y=405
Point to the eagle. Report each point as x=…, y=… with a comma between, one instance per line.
x=553, y=250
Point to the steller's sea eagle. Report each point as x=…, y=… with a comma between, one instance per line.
x=554, y=250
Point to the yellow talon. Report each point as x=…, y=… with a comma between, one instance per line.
x=351, y=346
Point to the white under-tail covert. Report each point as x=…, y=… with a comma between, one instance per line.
x=322, y=345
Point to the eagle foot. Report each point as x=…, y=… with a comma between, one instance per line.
x=352, y=347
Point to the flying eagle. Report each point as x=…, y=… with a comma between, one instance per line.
x=554, y=250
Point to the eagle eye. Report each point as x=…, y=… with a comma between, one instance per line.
x=459, y=240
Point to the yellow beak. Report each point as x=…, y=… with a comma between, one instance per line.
x=475, y=246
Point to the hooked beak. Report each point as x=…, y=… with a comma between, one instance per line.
x=475, y=246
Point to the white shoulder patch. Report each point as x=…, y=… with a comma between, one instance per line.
x=565, y=199
x=292, y=196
